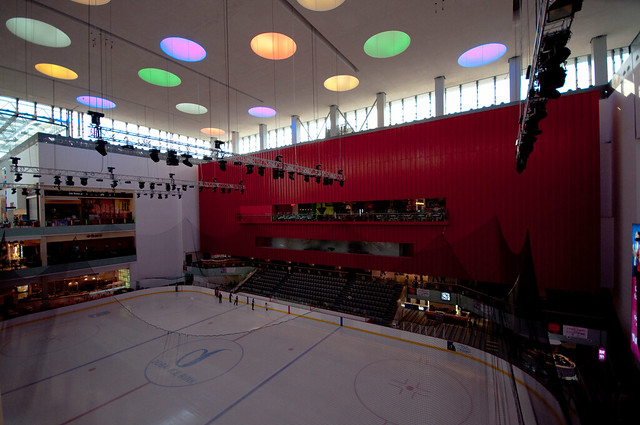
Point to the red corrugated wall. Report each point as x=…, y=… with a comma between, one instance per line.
x=468, y=159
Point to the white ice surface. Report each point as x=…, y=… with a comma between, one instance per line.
x=161, y=357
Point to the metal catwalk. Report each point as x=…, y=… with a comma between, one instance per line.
x=163, y=357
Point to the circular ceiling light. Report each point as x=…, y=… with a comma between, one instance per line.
x=38, y=32
x=262, y=111
x=183, y=49
x=56, y=71
x=273, y=45
x=212, y=131
x=191, y=108
x=159, y=77
x=387, y=44
x=320, y=5
x=482, y=55
x=96, y=102
x=92, y=2
x=341, y=83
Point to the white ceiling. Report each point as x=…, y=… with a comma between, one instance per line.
x=440, y=31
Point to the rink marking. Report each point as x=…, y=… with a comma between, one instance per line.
x=276, y=373
x=105, y=403
x=109, y=355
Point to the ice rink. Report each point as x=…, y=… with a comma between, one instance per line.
x=163, y=357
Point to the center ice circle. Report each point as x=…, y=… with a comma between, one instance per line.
x=194, y=362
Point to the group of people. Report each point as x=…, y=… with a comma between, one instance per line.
x=218, y=295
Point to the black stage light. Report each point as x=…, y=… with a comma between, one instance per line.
x=184, y=187
x=56, y=180
x=279, y=158
x=172, y=158
x=173, y=186
x=291, y=175
x=14, y=160
x=95, y=117
x=250, y=168
x=166, y=196
x=242, y=191
x=141, y=185
x=25, y=192
x=341, y=183
x=318, y=179
x=223, y=190
x=261, y=171
x=114, y=184
x=275, y=173
x=214, y=188
x=306, y=178
x=186, y=161
x=179, y=196
x=319, y=166
x=84, y=181
x=101, y=147
x=167, y=187
x=200, y=189
x=153, y=154
x=13, y=191
x=138, y=195
x=218, y=143
x=152, y=186
x=99, y=180
x=18, y=177
x=69, y=181
x=151, y=195
x=222, y=164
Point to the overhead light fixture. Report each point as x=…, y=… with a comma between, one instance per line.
x=184, y=187
x=318, y=179
x=13, y=191
x=141, y=185
x=138, y=194
x=166, y=196
x=18, y=177
x=151, y=195
x=172, y=158
x=275, y=173
x=222, y=164
x=218, y=143
x=101, y=147
x=319, y=166
x=186, y=161
x=223, y=190
x=291, y=175
x=279, y=158
x=25, y=192
x=152, y=185
x=69, y=181
x=95, y=117
x=250, y=168
x=114, y=184
x=14, y=160
x=201, y=188
x=261, y=171
x=179, y=196
x=57, y=181
x=306, y=178
x=154, y=155
x=84, y=181
x=214, y=188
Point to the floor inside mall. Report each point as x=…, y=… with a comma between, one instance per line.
x=180, y=356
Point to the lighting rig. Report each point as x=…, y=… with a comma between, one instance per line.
x=546, y=74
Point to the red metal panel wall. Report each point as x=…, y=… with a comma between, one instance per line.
x=469, y=159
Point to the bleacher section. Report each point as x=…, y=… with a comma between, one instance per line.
x=328, y=290
x=265, y=282
x=374, y=300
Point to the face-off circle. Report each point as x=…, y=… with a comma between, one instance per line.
x=404, y=391
x=194, y=362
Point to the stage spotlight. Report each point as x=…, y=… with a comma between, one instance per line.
x=25, y=192
x=172, y=158
x=223, y=190
x=222, y=164
x=137, y=195
x=14, y=160
x=18, y=177
x=261, y=171
x=250, y=168
x=84, y=181
x=69, y=181
x=166, y=196
x=318, y=179
x=184, y=187
x=13, y=191
x=151, y=195
x=179, y=196
x=291, y=175
x=319, y=166
x=306, y=178
x=101, y=147
x=152, y=186
x=214, y=188
x=153, y=154
x=114, y=184
x=275, y=173
x=57, y=181
x=200, y=188
x=141, y=185
x=95, y=117
x=186, y=161
x=218, y=143
x=279, y=158
x=241, y=191
x=341, y=183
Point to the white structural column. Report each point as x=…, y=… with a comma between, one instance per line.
x=333, y=120
x=235, y=142
x=381, y=101
x=515, y=76
x=262, y=133
x=599, y=58
x=439, y=92
x=295, y=129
